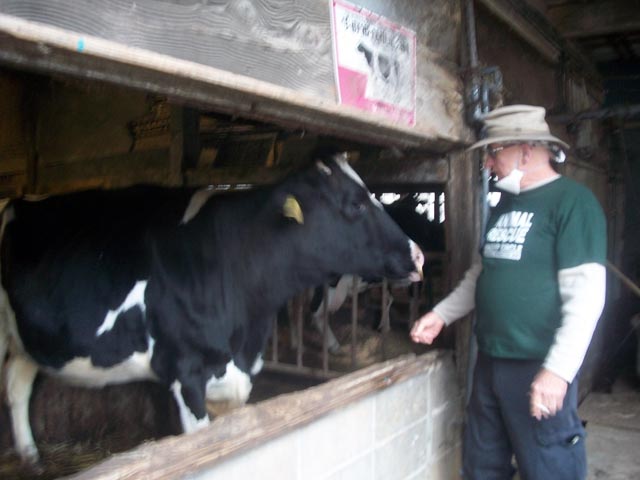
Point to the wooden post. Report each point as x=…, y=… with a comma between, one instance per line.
x=30, y=108
x=385, y=324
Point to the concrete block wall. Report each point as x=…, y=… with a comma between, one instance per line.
x=410, y=430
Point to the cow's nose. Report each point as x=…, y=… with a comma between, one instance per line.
x=418, y=260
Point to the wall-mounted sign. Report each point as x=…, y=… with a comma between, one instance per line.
x=375, y=62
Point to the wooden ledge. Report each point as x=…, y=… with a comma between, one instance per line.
x=246, y=427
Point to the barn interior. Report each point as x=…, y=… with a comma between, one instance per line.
x=64, y=134
x=102, y=115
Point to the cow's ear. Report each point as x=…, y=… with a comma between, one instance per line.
x=291, y=209
x=342, y=158
x=323, y=167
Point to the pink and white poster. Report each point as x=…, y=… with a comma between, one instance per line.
x=375, y=62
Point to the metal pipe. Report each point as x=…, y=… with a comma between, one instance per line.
x=385, y=323
x=472, y=45
x=325, y=328
x=472, y=49
x=354, y=320
x=623, y=111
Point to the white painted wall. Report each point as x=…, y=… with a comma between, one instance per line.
x=407, y=431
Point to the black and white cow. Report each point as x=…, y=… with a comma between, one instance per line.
x=177, y=286
x=427, y=234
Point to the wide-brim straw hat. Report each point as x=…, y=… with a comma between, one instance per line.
x=516, y=123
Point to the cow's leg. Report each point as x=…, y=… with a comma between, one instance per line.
x=635, y=324
x=21, y=373
x=332, y=341
x=386, y=311
x=6, y=315
x=4, y=343
x=335, y=298
x=191, y=403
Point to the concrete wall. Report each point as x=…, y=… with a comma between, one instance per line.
x=410, y=430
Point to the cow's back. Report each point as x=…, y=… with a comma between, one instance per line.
x=68, y=260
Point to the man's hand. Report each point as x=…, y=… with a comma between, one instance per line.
x=427, y=328
x=546, y=394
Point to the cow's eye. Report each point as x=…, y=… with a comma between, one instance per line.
x=355, y=209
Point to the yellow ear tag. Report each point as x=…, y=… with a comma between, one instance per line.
x=291, y=209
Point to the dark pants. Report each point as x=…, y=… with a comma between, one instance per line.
x=499, y=425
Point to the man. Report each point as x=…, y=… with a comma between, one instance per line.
x=538, y=291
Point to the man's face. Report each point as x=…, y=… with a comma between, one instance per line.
x=501, y=159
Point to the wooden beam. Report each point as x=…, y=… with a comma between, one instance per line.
x=29, y=45
x=236, y=175
x=462, y=227
x=524, y=22
x=176, y=148
x=404, y=171
x=114, y=171
x=588, y=19
x=252, y=425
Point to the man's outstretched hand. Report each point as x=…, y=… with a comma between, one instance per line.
x=427, y=328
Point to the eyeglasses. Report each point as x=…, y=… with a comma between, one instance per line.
x=493, y=152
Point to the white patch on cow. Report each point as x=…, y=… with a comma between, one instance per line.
x=35, y=197
x=134, y=299
x=234, y=386
x=9, y=327
x=341, y=160
x=198, y=199
x=323, y=168
x=6, y=314
x=81, y=371
x=189, y=421
x=8, y=214
x=257, y=365
x=376, y=202
x=418, y=260
x=336, y=297
x=8, y=330
x=3, y=205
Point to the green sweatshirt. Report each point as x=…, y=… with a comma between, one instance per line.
x=530, y=237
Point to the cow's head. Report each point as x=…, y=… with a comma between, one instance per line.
x=344, y=229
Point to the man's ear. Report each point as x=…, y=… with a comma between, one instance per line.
x=291, y=209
